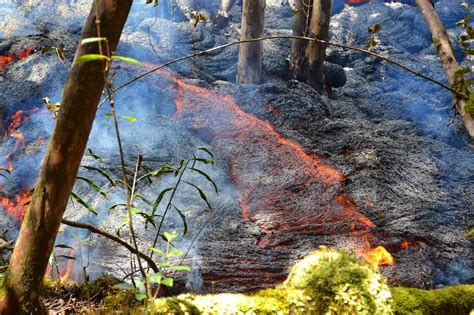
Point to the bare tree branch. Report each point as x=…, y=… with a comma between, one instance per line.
x=342, y=46
x=114, y=238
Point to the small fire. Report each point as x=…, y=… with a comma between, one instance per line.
x=406, y=244
x=17, y=208
x=5, y=60
x=376, y=257
x=67, y=273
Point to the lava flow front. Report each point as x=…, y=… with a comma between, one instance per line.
x=284, y=191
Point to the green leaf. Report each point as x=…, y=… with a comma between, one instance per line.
x=158, y=200
x=181, y=268
x=82, y=202
x=205, y=161
x=175, y=252
x=155, y=278
x=204, y=149
x=145, y=200
x=201, y=194
x=67, y=257
x=100, y=171
x=183, y=218
x=120, y=229
x=148, y=219
x=129, y=60
x=159, y=251
x=465, y=5
x=209, y=179
x=93, y=185
x=170, y=236
x=108, y=115
x=158, y=173
x=129, y=118
x=63, y=246
x=140, y=296
x=90, y=57
x=93, y=40
x=167, y=282
x=165, y=264
x=91, y=153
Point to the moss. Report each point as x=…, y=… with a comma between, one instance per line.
x=325, y=282
x=99, y=289
x=469, y=234
x=450, y=300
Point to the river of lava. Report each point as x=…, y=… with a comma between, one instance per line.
x=282, y=189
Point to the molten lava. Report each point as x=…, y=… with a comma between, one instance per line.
x=16, y=208
x=5, y=60
x=282, y=189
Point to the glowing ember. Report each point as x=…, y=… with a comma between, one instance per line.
x=5, y=60
x=17, y=208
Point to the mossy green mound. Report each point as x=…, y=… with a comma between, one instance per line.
x=325, y=282
x=455, y=300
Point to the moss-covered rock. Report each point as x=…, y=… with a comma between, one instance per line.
x=455, y=300
x=325, y=282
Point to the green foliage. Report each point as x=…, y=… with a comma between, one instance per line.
x=450, y=300
x=325, y=282
x=469, y=235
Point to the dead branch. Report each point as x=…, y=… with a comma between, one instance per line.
x=342, y=46
x=6, y=245
x=114, y=238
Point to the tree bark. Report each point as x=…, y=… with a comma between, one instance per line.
x=24, y=278
x=249, y=69
x=446, y=55
x=307, y=58
x=298, y=46
x=315, y=52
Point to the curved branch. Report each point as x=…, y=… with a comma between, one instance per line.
x=342, y=46
x=114, y=238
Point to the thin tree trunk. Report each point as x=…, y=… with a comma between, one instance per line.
x=446, y=55
x=249, y=69
x=24, y=278
x=298, y=46
x=226, y=5
x=316, y=52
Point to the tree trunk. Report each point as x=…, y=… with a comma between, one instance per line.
x=24, y=278
x=298, y=46
x=307, y=58
x=446, y=55
x=316, y=52
x=249, y=69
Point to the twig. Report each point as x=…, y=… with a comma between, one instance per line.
x=114, y=238
x=342, y=46
x=6, y=245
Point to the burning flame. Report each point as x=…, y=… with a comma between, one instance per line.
x=67, y=273
x=17, y=208
x=376, y=257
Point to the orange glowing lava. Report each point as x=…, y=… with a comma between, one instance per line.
x=5, y=60
x=16, y=208
x=282, y=189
